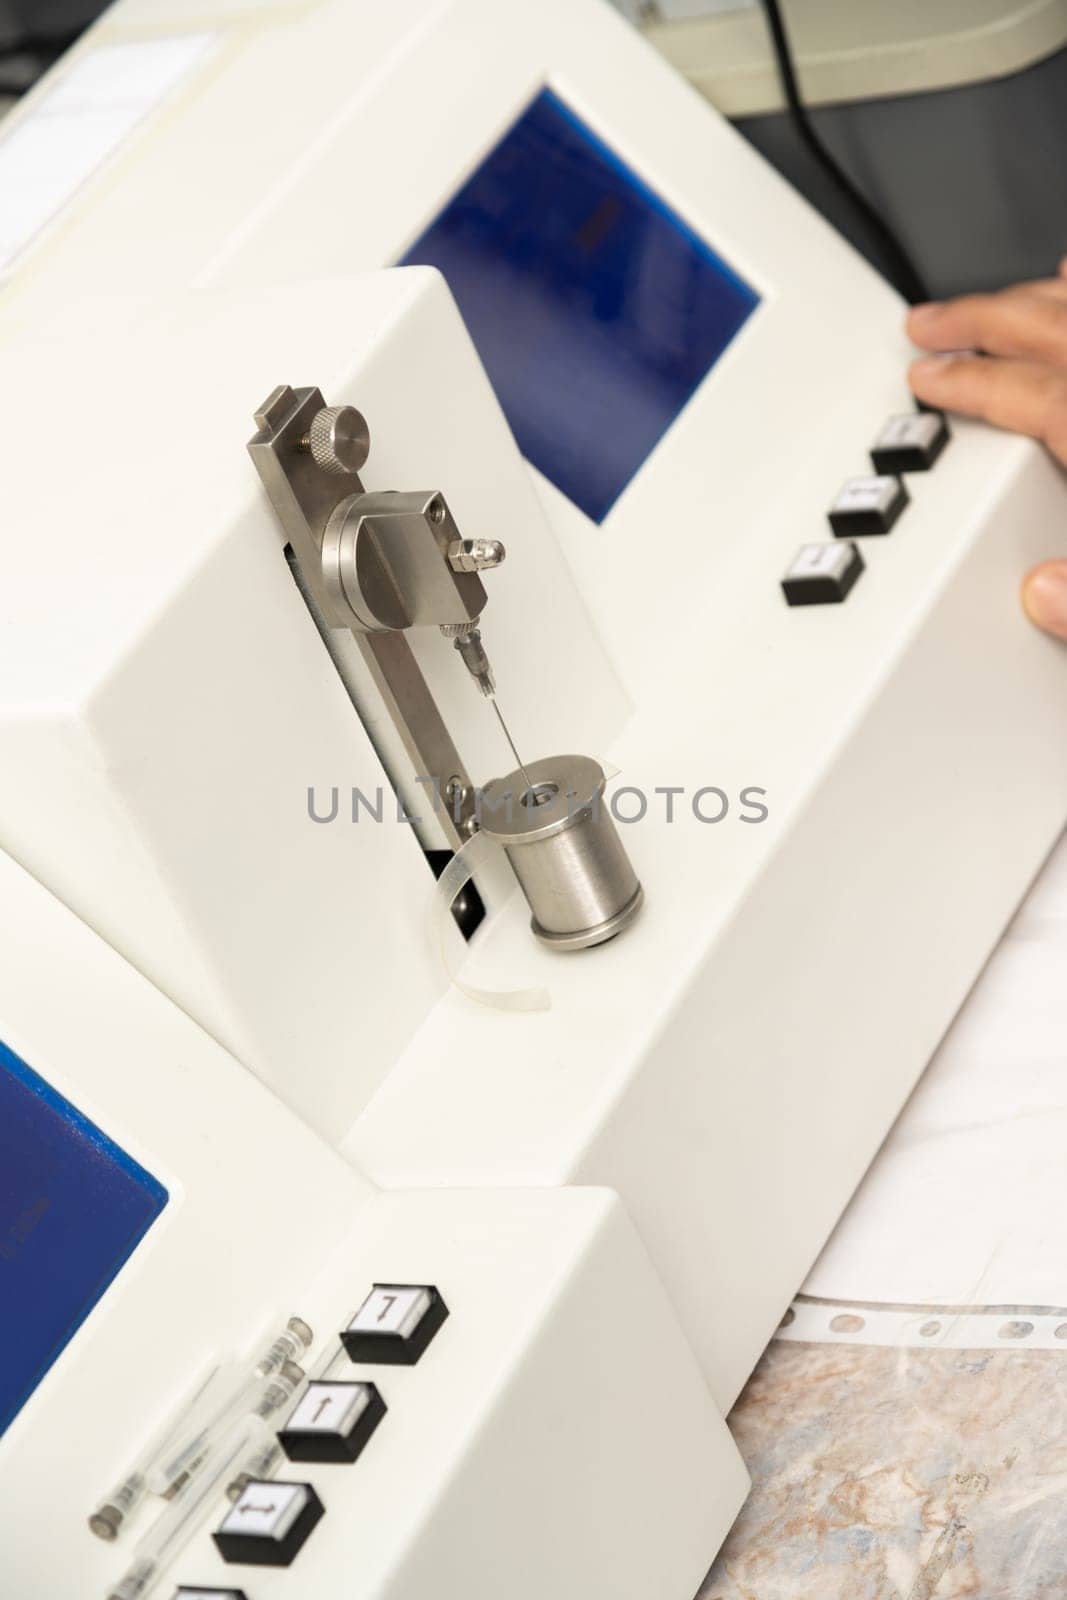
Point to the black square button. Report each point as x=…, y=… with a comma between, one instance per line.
x=910, y=443
x=186, y=1593
x=822, y=574
x=867, y=505
x=395, y=1324
x=268, y=1524
x=332, y=1422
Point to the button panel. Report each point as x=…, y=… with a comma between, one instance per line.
x=395, y=1324
x=333, y=1422
x=867, y=506
x=269, y=1523
x=822, y=574
x=910, y=443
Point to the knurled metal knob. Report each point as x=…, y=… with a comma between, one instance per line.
x=339, y=439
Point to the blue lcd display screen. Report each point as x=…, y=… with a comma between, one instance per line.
x=596, y=310
x=73, y=1207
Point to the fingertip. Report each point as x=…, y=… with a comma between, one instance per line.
x=921, y=317
x=926, y=373
x=927, y=366
x=1044, y=596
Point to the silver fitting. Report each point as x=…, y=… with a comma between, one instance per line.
x=106, y=1522
x=475, y=555
x=300, y=1331
x=467, y=642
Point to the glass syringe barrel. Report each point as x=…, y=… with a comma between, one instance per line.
x=173, y=1456
x=264, y=1463
x=248, y=1441
x=178, y=1522
x=168, y=1475
x=106, y=1521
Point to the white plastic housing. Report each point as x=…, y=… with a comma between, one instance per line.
x=167, y=704
x=540, y=1420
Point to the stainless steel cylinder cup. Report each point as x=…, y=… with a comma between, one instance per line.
x=559, y=836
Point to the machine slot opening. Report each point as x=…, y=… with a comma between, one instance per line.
x=468, y=908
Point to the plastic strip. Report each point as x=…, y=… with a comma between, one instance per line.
x=474, y=855
x=912, y=1328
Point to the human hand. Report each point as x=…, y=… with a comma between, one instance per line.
x=1003, y=357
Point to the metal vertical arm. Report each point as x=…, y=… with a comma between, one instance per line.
x=304, y=496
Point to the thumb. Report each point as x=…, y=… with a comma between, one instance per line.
x=1045, y=597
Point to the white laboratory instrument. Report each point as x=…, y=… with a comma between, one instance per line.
x=528, y=1437
x=746, y=583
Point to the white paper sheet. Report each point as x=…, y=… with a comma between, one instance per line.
x=79, y=123
x=966, y=1203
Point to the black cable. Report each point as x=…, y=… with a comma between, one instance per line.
x=900, y=268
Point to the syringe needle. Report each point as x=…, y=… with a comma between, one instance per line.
x=467, y=640
x=518, y=759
